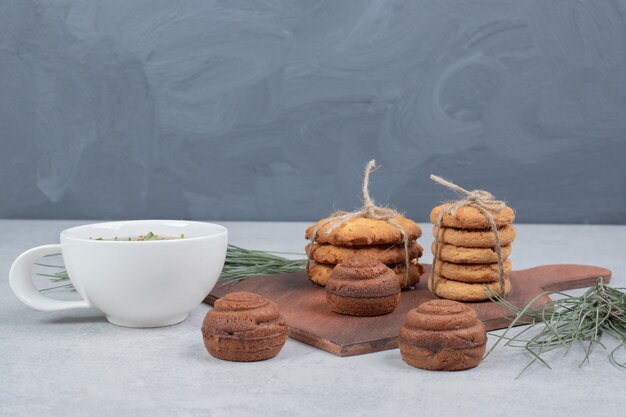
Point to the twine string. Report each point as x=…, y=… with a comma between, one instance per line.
x=487, y=204
x=369, y=210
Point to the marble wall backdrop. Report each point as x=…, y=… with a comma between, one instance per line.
x=263, y=109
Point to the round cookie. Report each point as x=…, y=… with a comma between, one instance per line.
x=468, y=217
x=330, y=254
x=461, y=255
x=362, y=287
x=244, y=327
x=362, y=231
x=442, y=335
x=475, y=238
x=319, y=273
x=472, y=273
x=461, y=291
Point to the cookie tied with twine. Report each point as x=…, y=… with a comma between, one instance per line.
x=371, y=225
x=494, y=212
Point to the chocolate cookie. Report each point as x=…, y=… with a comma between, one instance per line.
x=461, y=291
x=442, y=335
x=244, y=327
x=362, y=286
x=319, y=273
x=468, y=217
x=476, y=238
x=330, y=254
x=362, y=231
x=461, y=255
x=472, y=273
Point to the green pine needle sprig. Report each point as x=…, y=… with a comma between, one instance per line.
x=567, y=321
x=245, y=263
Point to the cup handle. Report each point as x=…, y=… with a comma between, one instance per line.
x=22, y=284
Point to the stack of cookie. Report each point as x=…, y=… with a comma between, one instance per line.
x=376, y=239
x=467, y=260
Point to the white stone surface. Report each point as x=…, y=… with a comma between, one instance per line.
x=77, y=364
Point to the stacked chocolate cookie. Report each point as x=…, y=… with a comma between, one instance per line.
x=467, y=259
x=442, y=335
x=362, y=286
x=244, y=327
x=376, y=239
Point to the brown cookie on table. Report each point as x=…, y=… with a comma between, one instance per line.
x=331, y=254
x=244, y=327
x=362, y=286
x=468, y=217
x=362, y=231
x=475, y=238
x=461, y=255
x=319, y=273
x=472, y=273
x=461, y=291
x=442, y=335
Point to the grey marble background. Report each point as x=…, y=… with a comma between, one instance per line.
x=257, y=109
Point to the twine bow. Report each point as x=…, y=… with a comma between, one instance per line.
x=487, y=204
x=369, y=210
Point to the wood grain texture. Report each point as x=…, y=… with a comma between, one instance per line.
x=303, y=304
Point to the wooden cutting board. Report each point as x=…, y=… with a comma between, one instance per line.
x=303, y=304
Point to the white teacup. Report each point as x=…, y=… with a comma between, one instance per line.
x=134, y=283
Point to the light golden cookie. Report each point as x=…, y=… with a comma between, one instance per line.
x=330, y=254
x=468, y=217
x=471, y=273
x=361, y=231
x=475, y=238
x=319, y=273
x=461, y=255
x=461, y=291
